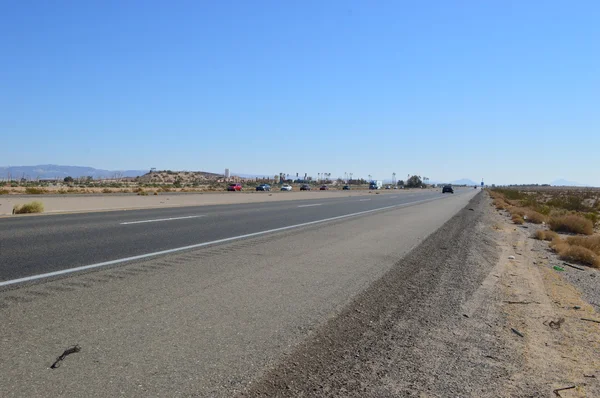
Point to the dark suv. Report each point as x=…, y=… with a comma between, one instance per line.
x=305, y=187
x=447, y=188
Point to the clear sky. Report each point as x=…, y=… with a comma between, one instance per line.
x=506, y=90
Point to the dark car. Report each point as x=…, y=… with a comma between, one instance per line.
x=447, y=188
x=346, y=187
x=305, y=187
x=324, y=188
x=234, y=187
x=263, y=187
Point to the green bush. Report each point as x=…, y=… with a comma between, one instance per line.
x=31, y=207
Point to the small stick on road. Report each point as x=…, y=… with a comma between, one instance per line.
x=515, y=331
x=68, y=351
x=590, y=320
x=556, y=392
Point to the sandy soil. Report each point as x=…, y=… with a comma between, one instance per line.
x=456, y=317
x=84, y=203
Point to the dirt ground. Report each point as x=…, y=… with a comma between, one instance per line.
x=458, y=316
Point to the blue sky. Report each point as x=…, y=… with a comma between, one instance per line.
x=505, y=90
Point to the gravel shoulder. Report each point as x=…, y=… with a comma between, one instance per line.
x=455, y=317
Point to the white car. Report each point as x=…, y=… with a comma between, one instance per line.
x=286, y=187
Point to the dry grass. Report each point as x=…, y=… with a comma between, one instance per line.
x=31, y=207
x=517, y=219
x=571, y=223
x=535, y=217
x=34, y=191
x=543, y=234
x=575, y=253
x=589, y=242
x=4, y=191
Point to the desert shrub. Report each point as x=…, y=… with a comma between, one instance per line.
x=62, y=191
x=571, y=223
x=575, y=253
x=535, y=217
x=142, y=193
x=593, y=217
x=543, y=234
x=589, y=242
x=107, y=190
x=569, y=202
x=4, y=191
x=519, y=211
x=31, y=207
x=543, y=209
x=34, y=191
x=511, y=194
x=155, y=193
x=517, y=219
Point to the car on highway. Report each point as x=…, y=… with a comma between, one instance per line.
x=234, y=187
x=305, y=187
x=447, y=188
x=388, y=187
x=286, y=187
x=263, y=187
x=346, y=187
x=324, y=188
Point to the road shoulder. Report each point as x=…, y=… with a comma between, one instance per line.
x=455, y=317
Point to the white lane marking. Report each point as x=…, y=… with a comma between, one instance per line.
x=316, y=204
x=363, y=200
x=160, y=219
x=178, y=249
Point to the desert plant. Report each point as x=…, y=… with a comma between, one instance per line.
x=31, y=207
x=543, y=234
x=4, y=191
x=142, y=193
x=575, y=253
x=535, y=217
x=517, y=219
x=34, y=191
x=107, y=190
x=571, y=223
x=589, y=242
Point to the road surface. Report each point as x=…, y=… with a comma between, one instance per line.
x=204, y=321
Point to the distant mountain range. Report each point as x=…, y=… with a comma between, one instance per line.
x=53, y=171
x=464, y=181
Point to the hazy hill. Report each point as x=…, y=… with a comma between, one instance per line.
x=464, y=181
x=52, y=171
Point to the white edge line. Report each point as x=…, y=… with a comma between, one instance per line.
x=364, y=200
x=160, y=219
x=316, y=204
x=178, y=249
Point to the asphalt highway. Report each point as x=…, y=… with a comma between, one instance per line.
x=210, y=321
x=36, y=245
